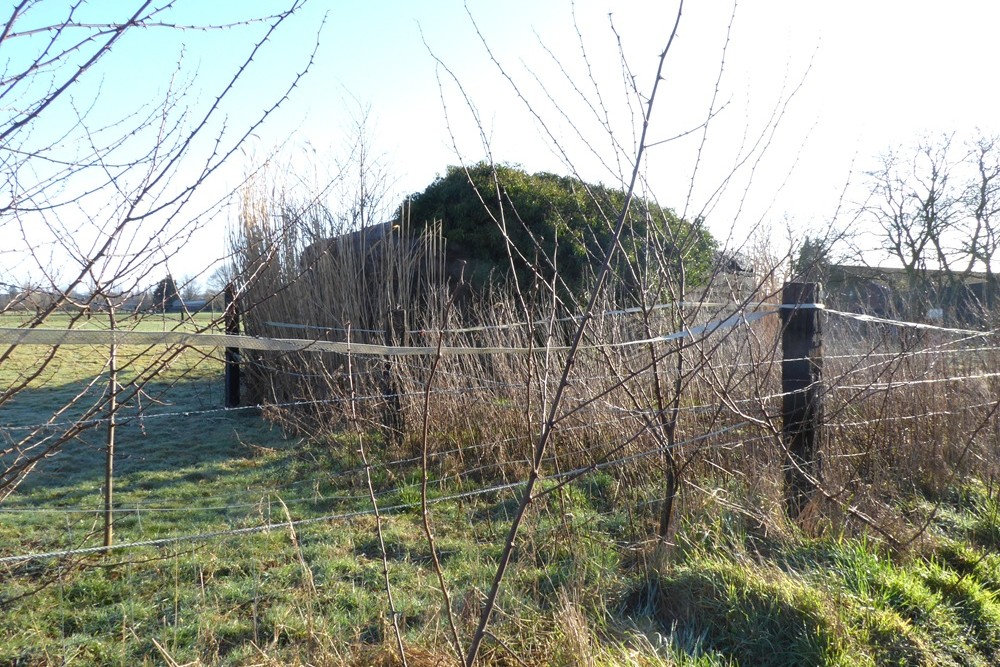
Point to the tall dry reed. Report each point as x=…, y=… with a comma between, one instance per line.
x=699, y=412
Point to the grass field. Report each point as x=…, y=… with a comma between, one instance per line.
x=737, y=584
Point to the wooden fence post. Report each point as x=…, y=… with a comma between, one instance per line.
x=395, y=335
x=801, y=386
x=232, y=323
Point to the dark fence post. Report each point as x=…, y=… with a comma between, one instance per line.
x=801, y=386
x=395, y=335
x=232, y=323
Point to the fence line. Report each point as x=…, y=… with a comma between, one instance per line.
x=909, y=325
x=903, y=354
x=60, y=337
x=37, y=336
x=132, y=507
x=269, y=527
x=832, y=385
x=139, y=507
x=903, y=418
x=224, y=411
x=221, y=412
x=56, y=337
x=884, y=386
x=636, y=310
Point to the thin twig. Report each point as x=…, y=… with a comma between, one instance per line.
x=546, y=430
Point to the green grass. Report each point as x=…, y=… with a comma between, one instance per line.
x=737, y=587
x=78, y=374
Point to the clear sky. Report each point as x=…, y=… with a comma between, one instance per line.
x=867, y=76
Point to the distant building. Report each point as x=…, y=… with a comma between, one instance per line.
x=952, y=298
x=179, y=305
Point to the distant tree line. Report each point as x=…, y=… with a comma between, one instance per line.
x=165, y=296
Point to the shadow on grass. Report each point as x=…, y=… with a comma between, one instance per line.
x=183, y=436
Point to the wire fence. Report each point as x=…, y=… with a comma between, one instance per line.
x=934, y=393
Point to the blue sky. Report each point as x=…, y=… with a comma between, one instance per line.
x=873, y=75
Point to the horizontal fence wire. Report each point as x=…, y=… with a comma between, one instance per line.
x=832, y=383
x=636, y=310
x=861, y=317
x=903, y=384
x=123, y=416
x=105, y=337
x=975, y=407
x=934, y=351
x=342, y=516
x=60, y=337
x=328, y=477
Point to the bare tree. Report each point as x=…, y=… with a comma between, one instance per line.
x=982, y=199
x=935, y=206
x=98, y=198
x=913, y=204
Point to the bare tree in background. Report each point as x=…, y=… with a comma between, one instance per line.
x=914, y=204
x=935, y=207
x=982, y=199
x=98, y=198
x=221, y=276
